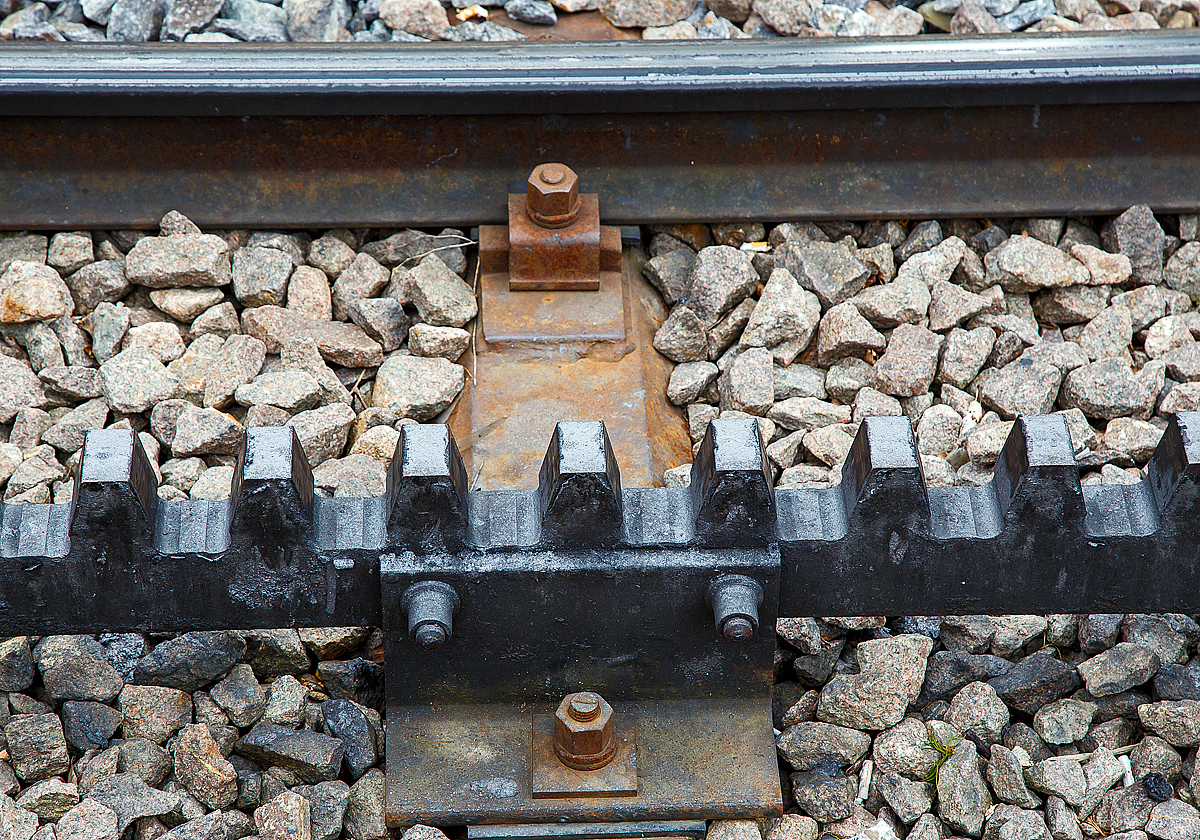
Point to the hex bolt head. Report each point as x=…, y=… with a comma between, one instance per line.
x=734, y=600
x=585, y=733
x=552, y=196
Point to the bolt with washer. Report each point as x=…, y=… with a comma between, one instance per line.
x=585, y=733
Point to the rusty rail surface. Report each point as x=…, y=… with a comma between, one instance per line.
x=96, y=135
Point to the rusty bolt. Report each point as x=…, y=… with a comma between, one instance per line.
x=552, y=196
x=585, y=734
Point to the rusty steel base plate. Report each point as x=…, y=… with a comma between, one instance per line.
x=697, y=759
x=554, y=780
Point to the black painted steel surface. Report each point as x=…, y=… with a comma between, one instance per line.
x=317, y=136
x=1031, y=540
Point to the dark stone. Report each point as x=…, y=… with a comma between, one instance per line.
x=1022, y=735
x=824, y=797
x=89, y=725
x=1034, y=682
x=16, y=664
x=1177, y=682
x=312, y=756
x=1157, y=788
x=1099, y=632
x=814, y=670
x=191, y=661
x=250, y=783
x=346, y=721
x=948, y=671
x=784, y=695
x=144, y=759
x=354, y=679
x=926, y=625
x=328, y=802
x=123, y=650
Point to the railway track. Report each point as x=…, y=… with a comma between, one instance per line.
x=494, y=605
x=107, y=135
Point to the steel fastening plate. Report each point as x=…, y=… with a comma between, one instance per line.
x=628, y=830
x=554, y=780
x=455, y=765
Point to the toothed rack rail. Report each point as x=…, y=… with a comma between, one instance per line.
x=497, y=603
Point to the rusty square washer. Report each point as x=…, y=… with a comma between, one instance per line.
x=554, y=780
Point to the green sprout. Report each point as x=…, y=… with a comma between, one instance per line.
x=944, y=752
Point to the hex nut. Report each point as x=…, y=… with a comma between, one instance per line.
x=585, y=733
x=552, y=196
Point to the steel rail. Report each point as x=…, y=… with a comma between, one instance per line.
x=316, y=135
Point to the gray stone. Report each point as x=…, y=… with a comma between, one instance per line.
x=808, y=744
x=135, y=380
x=1007, y=778
x=1099, y=631
x=327, y=803
x=671, y=273
x=162, y=262
x=50, y=798
x=1123, y=667
x=383, y=319
x=1108, y=388
x=1175, y=721
x=1182, y=271
x=539, y=12
x=1064, y=721
x=330, y=254
x=689, y=380
x=21, y=246
x=1061, y=820
x=1177, y=682
x=799, y=381
x=1022, y=263
x=202, y=769
x=68, y=433
x=15, y=822
x=681, y=337
x=748, y=385
x=32, y=291
x=260, y=276
x=1058, y=777
x=900, y=302
x=784, y=313
x=130, y=799
x=316, y=20
x=89, y=820
x=1108, y=334
x=1137, y=235
x=1070, y=304
x=1167, y=636
x=95, y=283
x=286, y=817
x=1125, y=810
x=921, y=238
x=807, y=413
x=907, y=368
x=162, y=339
x=312, y=756
x=417, y=387
x=1027, y=13
x=440, y=295
x=826, y=268
x=976, y=708
x=951, y=305
x=188, y=16
x=822, y=796
x=291, y=390
x=221, y=320
x=74, y=382
x=302, y=354
x=213, y=484
x=905, y=749
x=365, y=811
x=240, y=696
x=145, y=760
x=962, y=794
x=845, y=332
x=81, y=675
x=286, y=697
x=1008, y=822
x=323, y=431
x=1165, y=334
x=829, y=445
x=134, y=20
x=36, y=746
x=847, y=377
x=206, y=431
x=16, y=664
x=1154, y=755
x=241, y=358
x=909, y=800
x=153, y=712
x=1182, y=397
x=964, y=354
x=339, y=343
x=308, y=289
x=1173, y=820
x=191, y=661
x=1146, y=304
x=892, y=671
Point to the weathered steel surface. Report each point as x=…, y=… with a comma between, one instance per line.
x=567, y=355
x=711, y=759
x=114, y=136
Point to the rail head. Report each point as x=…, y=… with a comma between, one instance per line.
x=608, y=77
